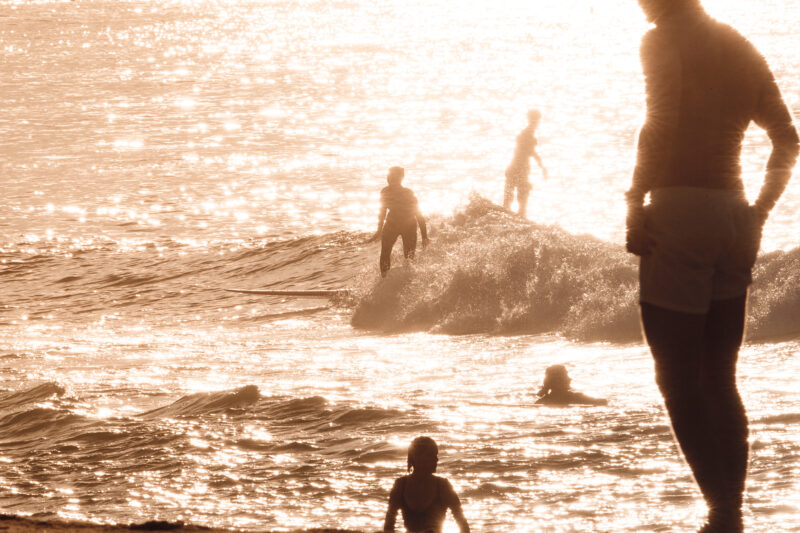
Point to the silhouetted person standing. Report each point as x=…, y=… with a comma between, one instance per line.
x=401, y=221
x=698, y=238
x=519, y=170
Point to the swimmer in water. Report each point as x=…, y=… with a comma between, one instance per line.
x=422, y=497
x=402, y=219
x=556, y=389
x=519, y=170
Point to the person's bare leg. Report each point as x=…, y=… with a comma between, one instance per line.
x=508, y=195
x=722, y=339
x=695, y=371
x=523, y=192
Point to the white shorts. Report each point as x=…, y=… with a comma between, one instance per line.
x=706, y=241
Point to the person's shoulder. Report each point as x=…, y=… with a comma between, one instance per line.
x=581, y=398
x=398, y=484
x=445, y=485
x=657, y=46
x=408, y=193
x=733, y=39
x=655, y=37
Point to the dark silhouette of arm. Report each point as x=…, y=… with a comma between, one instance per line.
x=423, y=228
x=773, y=116
x=538, y=159
x=381, y=220
x=394, y=505
x=662, y=73
x=454, y=503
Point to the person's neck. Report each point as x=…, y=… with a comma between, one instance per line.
x=682, y=17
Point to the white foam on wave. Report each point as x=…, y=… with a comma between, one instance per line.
x=488, y=271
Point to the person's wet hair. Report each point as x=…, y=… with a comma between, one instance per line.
x=655, y=9
x=555, y=378
x=395, y=175
x=420, y=445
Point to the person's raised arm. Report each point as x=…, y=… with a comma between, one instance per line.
x=773, y=115
x=394, y=506
x=662, y=74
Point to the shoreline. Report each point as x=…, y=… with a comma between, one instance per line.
x=20, y=524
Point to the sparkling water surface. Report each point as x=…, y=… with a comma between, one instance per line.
x=154, y=151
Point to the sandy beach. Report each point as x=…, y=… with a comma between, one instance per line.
x=16, y=524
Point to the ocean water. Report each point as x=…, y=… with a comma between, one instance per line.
x=157, y=151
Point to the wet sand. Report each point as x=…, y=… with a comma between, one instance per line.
x=16, y=524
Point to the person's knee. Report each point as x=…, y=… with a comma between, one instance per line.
x=679, y=383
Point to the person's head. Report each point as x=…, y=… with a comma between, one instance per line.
x=654, y=10
x=395, y=176
x=423, y=455
x=556, y=379
x=534, y=116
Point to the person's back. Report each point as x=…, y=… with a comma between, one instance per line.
x=424, y=514
x=706, y=82
x=523, y=150
x=401, y=204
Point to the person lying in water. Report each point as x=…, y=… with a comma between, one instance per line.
x=422, y=497
x=402, y=219
x=556, y=389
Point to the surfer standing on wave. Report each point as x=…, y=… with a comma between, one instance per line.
x=422, y=497
x=402, y=219
x=519, y=170
x=698, y=238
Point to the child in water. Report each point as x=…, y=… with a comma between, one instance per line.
x=556, y=389
x=422, y=497
x=401, y=220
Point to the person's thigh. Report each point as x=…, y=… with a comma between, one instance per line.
x=388, y=238
x=690, y=229
x=734, y=267
x=722, y=338
x=410, y=239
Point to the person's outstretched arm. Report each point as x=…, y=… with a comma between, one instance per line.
x=394, y=506
x=774, y=117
